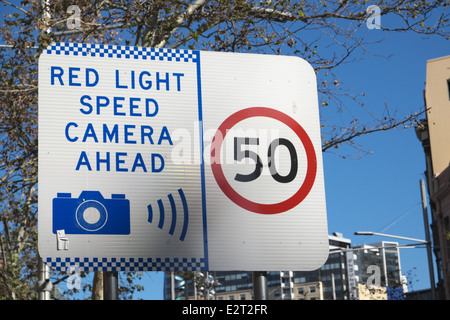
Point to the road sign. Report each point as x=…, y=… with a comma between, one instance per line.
x=164, y=159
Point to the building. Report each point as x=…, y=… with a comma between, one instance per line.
x=384, y=255
x=371, y=293
x=434, y=133
x=337, y=279
x=329, y=282
x=282, y=285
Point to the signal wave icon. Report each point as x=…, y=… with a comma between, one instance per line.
x=174, y=214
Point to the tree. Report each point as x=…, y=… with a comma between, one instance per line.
x=326, y=34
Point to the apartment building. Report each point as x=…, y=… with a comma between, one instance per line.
x=434, y=134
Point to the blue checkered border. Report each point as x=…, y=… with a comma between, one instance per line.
x=127, y=264
x=122, y=52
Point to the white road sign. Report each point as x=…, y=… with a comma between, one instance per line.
x=164, y=159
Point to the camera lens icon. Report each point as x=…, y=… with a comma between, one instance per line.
x=91, y=215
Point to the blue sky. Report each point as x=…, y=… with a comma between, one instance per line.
x=379, y=192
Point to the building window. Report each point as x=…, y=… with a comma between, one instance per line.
x=300, y=290
x=243, y=296
x=312, y=289
x=448, y=88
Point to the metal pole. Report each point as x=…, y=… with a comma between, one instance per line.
x=195, y=285
x=110, y=285
x=371, y=233
x=427, y=238
x=260, y=291
x=172, y=285
x=44, y=284
x=333, y=287
x=206, y=288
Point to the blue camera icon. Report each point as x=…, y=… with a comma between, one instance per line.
x=91, y=213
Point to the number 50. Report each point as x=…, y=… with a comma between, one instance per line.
x=240, y=154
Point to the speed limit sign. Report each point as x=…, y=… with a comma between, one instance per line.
x=239, y=154
x=265, y=172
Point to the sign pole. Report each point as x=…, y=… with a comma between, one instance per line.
x=172, y=285
x=44, y=284
x=428, y=238
x=260, y=285
x=110, y=285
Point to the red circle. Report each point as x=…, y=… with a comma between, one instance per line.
x=252, y=206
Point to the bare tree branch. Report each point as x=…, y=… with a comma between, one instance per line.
x=181, y=18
